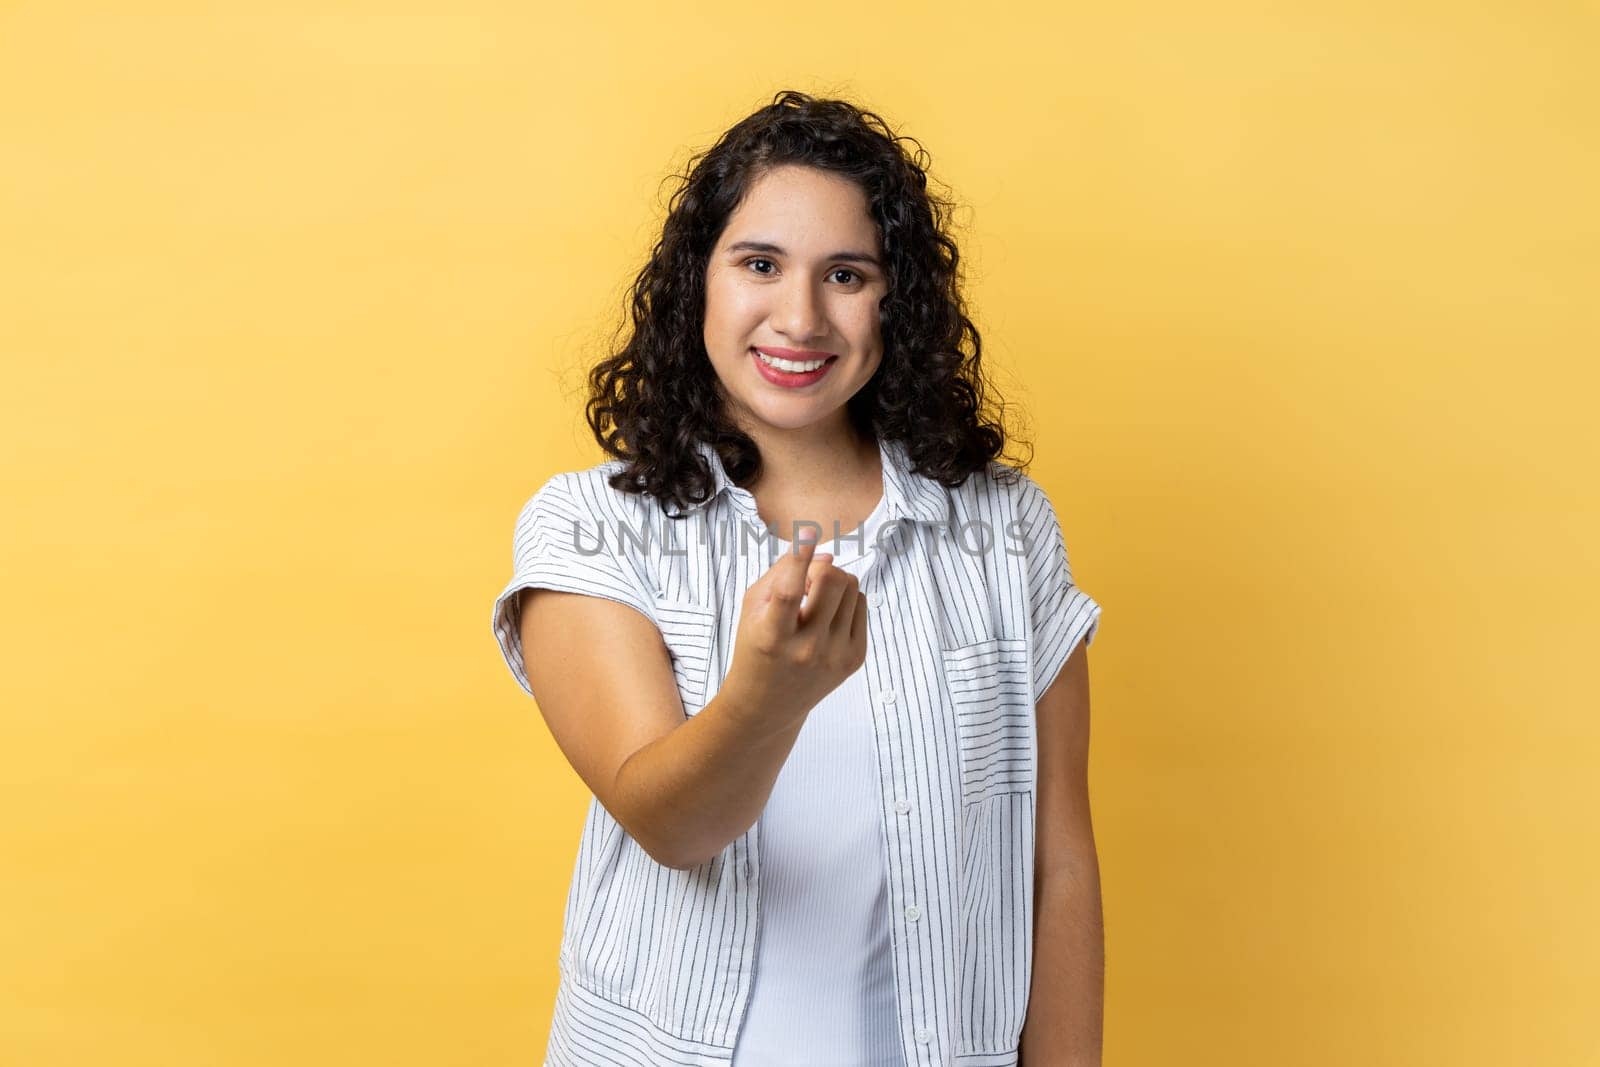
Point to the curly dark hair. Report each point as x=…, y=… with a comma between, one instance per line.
x=651, y=402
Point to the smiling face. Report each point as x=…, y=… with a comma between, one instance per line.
x=796, y=273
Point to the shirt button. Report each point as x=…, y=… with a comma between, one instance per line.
x=922, y=1035
x=874, y=600
x=902, y=806
x=913, y=912
x=886, y=695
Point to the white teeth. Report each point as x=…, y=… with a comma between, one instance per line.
x=789, y=365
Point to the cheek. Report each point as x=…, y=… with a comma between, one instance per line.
x=729, y=304
x=866, y=324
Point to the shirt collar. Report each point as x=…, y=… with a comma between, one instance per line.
x=908, y=495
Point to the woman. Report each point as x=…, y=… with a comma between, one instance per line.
x=840, y=806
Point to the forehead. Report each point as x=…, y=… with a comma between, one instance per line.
x=801, y=206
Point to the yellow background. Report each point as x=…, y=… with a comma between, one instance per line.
x=295, y=302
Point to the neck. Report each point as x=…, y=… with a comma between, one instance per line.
x=815, y=459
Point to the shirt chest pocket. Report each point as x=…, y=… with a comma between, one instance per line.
x=690, y=633
x=990, y=687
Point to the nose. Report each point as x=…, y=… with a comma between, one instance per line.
x=799, y=314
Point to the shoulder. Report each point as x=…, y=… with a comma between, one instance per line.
x=998, y=493
x=577, y=529
x=577, y=522
x=587, y=494
x=1015, y=508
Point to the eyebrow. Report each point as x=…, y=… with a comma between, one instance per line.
x=774, y=250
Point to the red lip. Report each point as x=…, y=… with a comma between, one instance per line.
x=795, y=354
x=790, y=379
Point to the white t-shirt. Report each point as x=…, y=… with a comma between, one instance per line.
x=824, y=975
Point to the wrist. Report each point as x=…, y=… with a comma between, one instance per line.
x=754, y=713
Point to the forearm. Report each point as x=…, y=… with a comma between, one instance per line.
x=687, y=794
x=1063, y=1027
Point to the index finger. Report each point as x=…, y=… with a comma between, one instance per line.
x=790, y=581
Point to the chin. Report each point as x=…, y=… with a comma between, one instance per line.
x=794, y=420
x=796, y=415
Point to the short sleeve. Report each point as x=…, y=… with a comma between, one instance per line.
x=563, y=541
x=1059, y=612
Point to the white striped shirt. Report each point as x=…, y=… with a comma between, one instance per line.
x=973, y=612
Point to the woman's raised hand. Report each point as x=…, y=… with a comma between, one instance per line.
x=787, y=655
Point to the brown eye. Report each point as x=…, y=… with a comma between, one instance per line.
x=758, y=259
